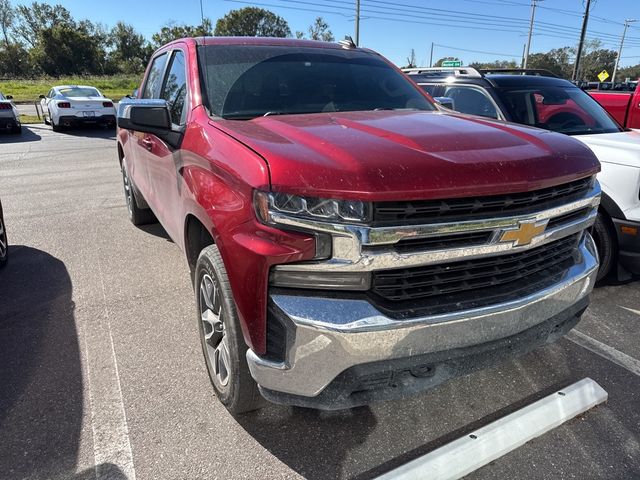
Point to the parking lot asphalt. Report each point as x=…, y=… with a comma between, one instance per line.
x=102, y=375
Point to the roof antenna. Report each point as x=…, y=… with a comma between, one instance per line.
x=348, y=42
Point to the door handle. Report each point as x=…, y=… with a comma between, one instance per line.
x=148, y=144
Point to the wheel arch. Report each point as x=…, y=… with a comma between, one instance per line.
x=196, y=238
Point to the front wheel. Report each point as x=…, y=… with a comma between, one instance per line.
x=606, y=244
x=221, y=336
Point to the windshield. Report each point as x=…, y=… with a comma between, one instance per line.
x=244, y=82
x=80, y=92
x=561, y=109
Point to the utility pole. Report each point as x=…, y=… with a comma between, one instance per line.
x=585, y=21
x=431, y=56
x=357, y=23
x=201, y=14
x=524, y=49
x=534, y=4
x=624, y=33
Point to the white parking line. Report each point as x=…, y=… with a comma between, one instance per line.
x=605, y=351
x=111, y=447
x=470, y=452
x=637, y=312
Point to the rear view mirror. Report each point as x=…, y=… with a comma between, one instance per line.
x=9, y=97
x=41, y=96
x=148, y=116
x=446, y=102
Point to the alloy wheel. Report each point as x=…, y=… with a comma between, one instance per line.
x=127, y=190
x=213, y=330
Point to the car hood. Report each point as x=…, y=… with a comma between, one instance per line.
x=400, y=155
x=621, y=148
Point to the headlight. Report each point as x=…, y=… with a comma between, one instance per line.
x=312, y=208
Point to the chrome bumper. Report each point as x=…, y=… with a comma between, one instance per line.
x=332, y=335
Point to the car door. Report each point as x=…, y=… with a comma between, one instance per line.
x=138, y=152
x=164, y=163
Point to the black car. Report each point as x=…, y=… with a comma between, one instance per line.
x=538, y=98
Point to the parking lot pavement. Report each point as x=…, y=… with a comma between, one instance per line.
x=101, y=369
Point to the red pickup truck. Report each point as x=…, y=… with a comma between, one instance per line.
x=623, y=106
x=350, y=241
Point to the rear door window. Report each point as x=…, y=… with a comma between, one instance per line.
x=174, y=90
x=154, y=79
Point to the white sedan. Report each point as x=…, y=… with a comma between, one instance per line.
x=73, y=105
x=9, y=117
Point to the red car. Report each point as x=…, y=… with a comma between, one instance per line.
x=623, y=105
x=349, y=241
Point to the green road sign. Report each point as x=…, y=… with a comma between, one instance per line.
x=452, y=63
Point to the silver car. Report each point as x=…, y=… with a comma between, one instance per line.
x=9, y=116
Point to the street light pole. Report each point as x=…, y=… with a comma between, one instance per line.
x=431, y=56
x=585, y=21
x=357, y=23
x=624, y=33
x=534, y=4
x=201, y=14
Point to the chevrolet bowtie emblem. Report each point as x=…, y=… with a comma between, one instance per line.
x=525, y=232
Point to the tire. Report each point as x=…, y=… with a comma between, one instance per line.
x=606, y=244
x=54, y=127
x=4, y=244
x=221, y=337
x=137, y=215
x=45, y=119
x=17, y=129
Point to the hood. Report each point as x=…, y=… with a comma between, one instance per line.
x=408, y=155
x=621, y=148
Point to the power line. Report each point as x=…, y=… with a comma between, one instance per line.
x=477, y=51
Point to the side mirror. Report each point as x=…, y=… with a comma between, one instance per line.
x=41, y=96
x=9, y=97
x=148, y=116
x=446, y=102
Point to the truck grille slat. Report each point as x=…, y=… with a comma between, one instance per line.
x=432, y=282
x=429, y=211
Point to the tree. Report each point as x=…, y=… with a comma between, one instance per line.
x=596, y=59
x=495, y=64
x=172, y=31
x=7, y=17
x=446, y=59
x=252, y=22
x=14, y=61
x=631, y=72
x=319, y=30
x=129, y=50
x=31, y=20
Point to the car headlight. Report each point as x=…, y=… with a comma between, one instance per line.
x=321, y=209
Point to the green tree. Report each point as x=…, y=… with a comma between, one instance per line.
x=172, y=31
x=494, y=64
x=68, y=50
x=632, y=72
x=14, y=61
x=33, y=19
x=319, y=30
x=129, y=50
x=7, y=17
x=252, y=22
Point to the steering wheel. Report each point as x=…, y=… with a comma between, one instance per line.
x=564, y=121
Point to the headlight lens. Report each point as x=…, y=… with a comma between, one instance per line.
x=313, y=208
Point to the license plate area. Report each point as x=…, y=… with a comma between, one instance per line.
x=88, y=114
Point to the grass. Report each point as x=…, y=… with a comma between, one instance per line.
x=27, y=91
x=29, y=119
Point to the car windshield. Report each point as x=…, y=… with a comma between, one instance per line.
x=246, y=82
x=560, y=109
x=80, y=92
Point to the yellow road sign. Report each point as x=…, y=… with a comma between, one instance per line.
x=603, y=75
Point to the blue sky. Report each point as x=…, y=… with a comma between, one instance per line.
x=495, y=29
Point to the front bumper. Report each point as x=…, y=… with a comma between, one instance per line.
x=628, y=244
x=329, y=336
